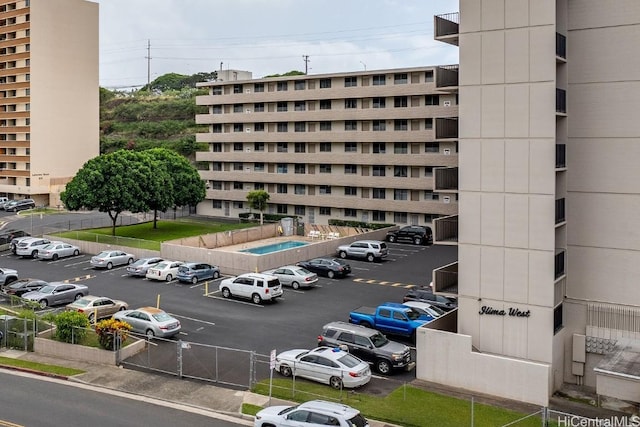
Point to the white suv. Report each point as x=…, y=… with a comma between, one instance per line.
x=371, y=250
x=311, y=414
x=255, y=286
x=30, y=246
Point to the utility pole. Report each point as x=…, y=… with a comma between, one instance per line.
x=306, y=60
x=148, y=64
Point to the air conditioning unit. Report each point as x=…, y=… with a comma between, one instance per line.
x=446, y=199
x=247, y=91
x=447, y=103
x=248, y=150
x=248, y=110
x=447, y=151
x=248, y=130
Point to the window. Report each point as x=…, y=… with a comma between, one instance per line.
x=379, y=125
x=283, y=147
x=379, y=216
x=350, y=103
x=558, y=323
x=379, y=80
x=400, y=79
x=216, y=147
x=258, y=87
x=216, y=166
x=258, y=146
x=282, y=106
x=300, y=147
x=238, y=127
x=325, y=125
x=216, y=109
x=258, y=167
x=350, y=191
x=282, y=87
x=350, y=125
x=299, y=210
x=237, y=88
x=430, y=217
x=350, y=81
x=428, y=76
x=325, y=189
x=258, y=107
x=350, y=169
x=300, y=168
x=325, y=83
x=400, y=148
x=431, y=147
x=299, y=106
x=428, y=123
x=379, y=193
x=299, y=85
x=400, y=101
x=283, y=127
x=237, y=166
x=351, y=213
x=325, y=147
x=282, y=209
x=300, y=127
x=379, y=102
x=432, y=100
x=216, y=204
x=400, y=217
x=400, y=124
x=299, y=189
x=216, y=185
x=379, y=147
x=238, y=185
x=282, y=168
x=350, y=147
x=325, y=168
x=400, y=194
x=325, y=104
x=400, y=171
x=378, y=170
x=258, y=185
x=237, y=146
x=324, y=210
x=430, y=195
x=282, y=188
x=258, y=127
x=428, y=170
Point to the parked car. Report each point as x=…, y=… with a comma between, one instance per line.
x=97, y=307
x=295, y=276
x=425, y=294
x=7, y=275
x=195, y=271
x=55, y=250
x=369, y=345
x=416, y=234
x=371, y=250
x=139, y=267
x=13, y=245
x=57, y=294
x=20, y=205
x=312, y=414
x=425, y=307
x=327, y=365
x=30, y=246
x=390, y=319
x=22, y=286
x=150, y=321
x=110, y=259
x=165, y=270
x=255, y=286
x=330, y=267
x=6, y=236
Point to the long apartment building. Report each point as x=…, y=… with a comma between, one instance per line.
x=362, y=146
x=49, y=109
x=547, y=223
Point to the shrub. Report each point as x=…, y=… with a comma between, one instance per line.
x=111, y=331
x=71, y=326
x=358, y=224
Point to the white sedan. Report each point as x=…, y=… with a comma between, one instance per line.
x=294, y=276
x=325, y=365
x=165, y=270
x=55, y=250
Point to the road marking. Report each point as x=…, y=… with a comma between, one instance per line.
x=78, y=279
x=192, y=319
x=236, y=301
x=383, y=283
x=9, y=424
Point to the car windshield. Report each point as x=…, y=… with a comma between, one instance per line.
x=162, y=317
x=139, y=263
x=102, y=254
x=17, y=285
x=48, y=247
x=302, y=271
x=413, y=314
x=339, y=261
x=47, y=289
x=358, y=421
x=349, y=361
x=273, y=283
x=287, y=410
x=379, y=340
x=82, y=302
x=161, y=265
x=183, y=269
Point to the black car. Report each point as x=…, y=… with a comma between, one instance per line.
x=416, y=234
x=330, y=267
x=22, y=286
x=20, y=205
x=425, y=294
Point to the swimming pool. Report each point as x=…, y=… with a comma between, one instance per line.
x=275, y=247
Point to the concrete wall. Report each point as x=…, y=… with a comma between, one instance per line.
x=228, y=238
x=53, y=348
x=95, y=248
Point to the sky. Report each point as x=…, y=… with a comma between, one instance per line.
x=266, y=37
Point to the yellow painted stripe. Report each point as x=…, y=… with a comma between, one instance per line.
x=358, y=280
x=384, y=283
x=395, y=285
x=372, y=281
x=9, y=424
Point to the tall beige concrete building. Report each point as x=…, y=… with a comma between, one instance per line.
x=546, y=228
x=49, y=107
x=365, y=146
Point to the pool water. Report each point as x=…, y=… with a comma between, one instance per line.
x=275, y=247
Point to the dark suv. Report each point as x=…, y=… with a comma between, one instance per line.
x=416, y=234
x=19, y=205
x=367, y=344
x=425, y=294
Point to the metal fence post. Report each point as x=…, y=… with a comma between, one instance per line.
x=545, y=417
x=472, y=421
x=180, y=359
x=252, y=365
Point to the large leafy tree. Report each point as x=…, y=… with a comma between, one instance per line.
x=187, y=188
x=114, y=183
x=258, y=200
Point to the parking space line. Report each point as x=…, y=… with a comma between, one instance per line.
x=233, y=300
x=193, y=319
x=76, y=263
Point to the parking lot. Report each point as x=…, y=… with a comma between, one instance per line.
x=293, y=322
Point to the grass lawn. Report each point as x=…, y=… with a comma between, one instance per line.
x=407, y=406
x=41, y=367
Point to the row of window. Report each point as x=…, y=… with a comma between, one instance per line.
x=349, y=125
x=300, y=168
x=327, y=147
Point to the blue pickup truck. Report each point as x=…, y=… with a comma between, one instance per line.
x=390, y=317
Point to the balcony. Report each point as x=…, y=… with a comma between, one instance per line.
x=445, y=280
x=560, y=211
x=561, y=156
x=446, y=230
x=446, y=128
x=561, y=101
x=445, y=179
x=447, y=77
x=559, y=264
x=446, y=28
x=561, y=48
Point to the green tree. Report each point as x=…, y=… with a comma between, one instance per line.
x=258, y=200
x=71, y=326
x=114, y=183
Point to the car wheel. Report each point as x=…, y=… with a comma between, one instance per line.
x=335, y=382
x=77, y=297
x=169, y=278
x=285, y=371
x=343, y=254
x=109, y=266
x=331, y=274
x=123, y=308
x=55, y=257
x=383, y=366
x=194, y=280
x=391, y=239
x=256, y=299
x=150, y=334
x=370, y=258
x=91, y=318
x=76, y=252
x=226, y=293
x=417, y=240
x=34, y=254
x=130, y=261
x=295, y=285
x=43, y=303
x=10, y=280
x=216, y=275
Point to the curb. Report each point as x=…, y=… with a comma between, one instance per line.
x=35, y=372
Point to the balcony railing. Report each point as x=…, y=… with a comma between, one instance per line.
x=561, y=156
x=445, y=279
x=446, y=128
x=561, y=101
x=559, y=263
x=447, y=76
x=445, y=179
x=446, y=230
x=560, y=211
x=447, y=24
x=561, y=46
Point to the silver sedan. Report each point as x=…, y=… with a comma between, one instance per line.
x=294, y=276
x=55, y=250
x=110, y=259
